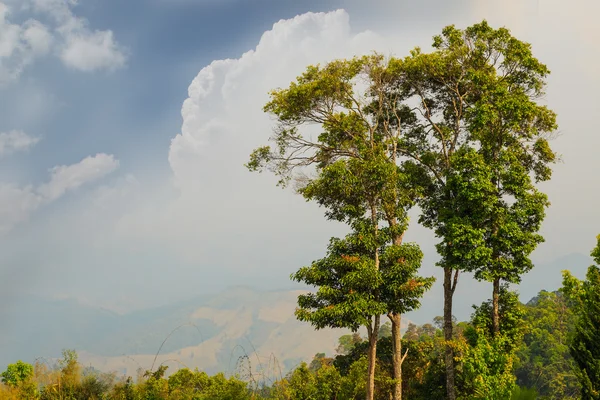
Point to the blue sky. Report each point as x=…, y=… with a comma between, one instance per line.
x=115, y=192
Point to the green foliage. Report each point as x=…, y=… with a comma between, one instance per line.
x=472, y=150
x=585, y=344
x=347, y=342
x=385, y=330
x=543, y=360
x=422, y=371
x=348, y=282
x=17, y=373
x=490, y=366
x=155, y=387
x=485, y=368
x=486, y=359
x=346, y=279
x=94, y=386
x=19, y=381
x=68, y=381
x=322, y=384
x=319, y=361
x=524, y=394
x=596, y=252
x=480, y=138
x=511, y=318
x=486, y=145
x=358, y=181
x=355, y=382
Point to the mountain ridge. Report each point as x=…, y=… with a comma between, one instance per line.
x=210, y=331
x=204, y=332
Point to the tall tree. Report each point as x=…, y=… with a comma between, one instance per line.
x=347, y=280
x=458, y=181
x=510, y=130
x=360, y=181
x=479, y=136
x=585, y=346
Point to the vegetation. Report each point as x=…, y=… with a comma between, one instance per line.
x=360, y=182
x=459, y=133
x=539, y=368
x=585, y=343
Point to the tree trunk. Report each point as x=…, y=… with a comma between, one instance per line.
x=396, y=319
x=496, y=307
x=397, y=358
x=374, y=330
x=372, y=357
x=449, y=287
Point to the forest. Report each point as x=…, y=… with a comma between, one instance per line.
x=459, y=134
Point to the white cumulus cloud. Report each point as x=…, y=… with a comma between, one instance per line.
x=91, y=51
x=82, y=48
x=222, y=122
x=18, y=203
x=68, y=177
x=20, y=44
x=13, y=141
x=68, y=36
x=226, y=98
x=37, y=36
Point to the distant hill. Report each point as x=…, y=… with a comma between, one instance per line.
x=548, y=276
x=213, y=333
x=469, y=292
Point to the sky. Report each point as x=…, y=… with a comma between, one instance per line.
x=124, y=127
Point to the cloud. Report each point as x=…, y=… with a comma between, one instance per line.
x=36, y=36
x=20, y=44
x=69, y=177
x=551, y=24
x=92, y=51
x=211, y=223
x=70, y=37
x=226, y=97
x=225, y=219
x=13, y=141
x=82, y=48
x=222, y=122
x=18, y=203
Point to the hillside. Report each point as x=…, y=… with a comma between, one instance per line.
x=208, y=332
x=211, y=331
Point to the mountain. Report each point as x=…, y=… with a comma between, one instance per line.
x=548, y=276
x=235, y=330
x=544, y=276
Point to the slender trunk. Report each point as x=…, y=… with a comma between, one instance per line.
x=496, y=282
x=496, y=307
x=395, y=319
x=373, y=331
x=372, y=357
x=449, y=287
x=397, y=357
